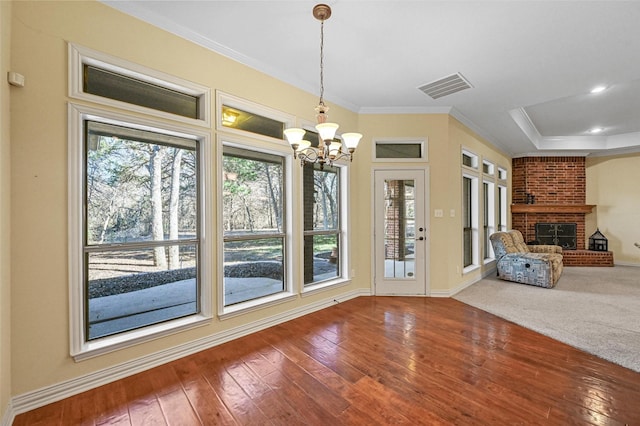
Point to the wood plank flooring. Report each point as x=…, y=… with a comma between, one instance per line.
x=370, y=361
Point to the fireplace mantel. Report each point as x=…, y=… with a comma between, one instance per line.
x=552, y=208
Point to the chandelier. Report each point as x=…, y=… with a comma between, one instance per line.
x=327, y=150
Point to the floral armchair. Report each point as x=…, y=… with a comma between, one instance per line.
x=539, y=265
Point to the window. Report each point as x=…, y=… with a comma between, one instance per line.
x=322, y=233
x=470, y=211
x=502, y=199
x=488, y=189
x=254, y=225
x=488, y=168
x=136, y=204
x=502, y=208
x=502, y=174
x=235, y=118
x=400, y=150
x=141, y=232
x=97, y=77
x=469, y=217
x=469, y=160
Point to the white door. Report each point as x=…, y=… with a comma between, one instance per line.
x=400, y=234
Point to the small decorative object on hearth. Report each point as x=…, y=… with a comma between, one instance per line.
x=598, y=242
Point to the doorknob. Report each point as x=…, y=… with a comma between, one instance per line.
x=421, y=238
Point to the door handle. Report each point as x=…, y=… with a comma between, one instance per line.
x=421, y=238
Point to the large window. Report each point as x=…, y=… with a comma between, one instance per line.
x=254, y=225
x=136, y=204
x=502, y=199
x=322, y=233
x=141, y=249
x=469, y=230
x=470, y=211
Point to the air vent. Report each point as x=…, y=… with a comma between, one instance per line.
x=446, y=86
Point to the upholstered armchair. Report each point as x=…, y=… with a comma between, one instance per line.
x=539, y=265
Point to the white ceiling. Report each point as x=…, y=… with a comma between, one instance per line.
x=532, y=64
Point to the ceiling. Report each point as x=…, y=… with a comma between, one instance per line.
x=531, y=64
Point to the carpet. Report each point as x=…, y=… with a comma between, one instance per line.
x=593, y=309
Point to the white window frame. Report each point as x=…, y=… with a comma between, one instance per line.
x=80, y=348
x=242, y=139
x=80, y=56
x=471, y=172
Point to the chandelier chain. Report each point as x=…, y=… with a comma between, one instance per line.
x=322, y=62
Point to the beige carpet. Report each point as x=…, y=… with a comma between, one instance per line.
x=593, y=309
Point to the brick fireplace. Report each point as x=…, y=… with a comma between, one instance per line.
x=557, y=187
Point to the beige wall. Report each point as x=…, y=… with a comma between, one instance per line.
x=39, y=299
x=5, y=206
x=613, y=185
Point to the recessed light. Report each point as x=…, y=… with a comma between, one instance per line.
x=596, y=130
x=598, y=89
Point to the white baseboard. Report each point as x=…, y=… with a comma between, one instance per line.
x=9, y=416
x=41, y=397
x=463, y=285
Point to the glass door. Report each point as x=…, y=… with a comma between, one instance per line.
x=401, y=238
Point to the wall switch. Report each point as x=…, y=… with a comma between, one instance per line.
x=438, y=213
x=452, y=212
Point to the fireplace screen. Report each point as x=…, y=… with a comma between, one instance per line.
x=560, y=234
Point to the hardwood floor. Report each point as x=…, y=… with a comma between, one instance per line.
x=370, y=360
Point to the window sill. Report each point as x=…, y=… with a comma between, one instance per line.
x=470, y=269
x=254, y=305
x=325, y=285
x=135, y=337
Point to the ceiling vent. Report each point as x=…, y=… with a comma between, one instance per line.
x=446, y=86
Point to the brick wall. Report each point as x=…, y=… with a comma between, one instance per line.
x=587, y=258
x=553, y=180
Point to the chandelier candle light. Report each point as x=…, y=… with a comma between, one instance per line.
x=327, y=151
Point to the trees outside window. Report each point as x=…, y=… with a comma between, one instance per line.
x=253, y=222
x=141, y=232
x=322, y=230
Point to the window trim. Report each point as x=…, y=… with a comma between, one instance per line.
x=80, y=348
x=80, y=56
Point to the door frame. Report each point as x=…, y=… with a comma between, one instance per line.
x=427, y=224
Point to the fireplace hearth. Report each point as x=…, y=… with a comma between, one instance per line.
x=559, y=234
